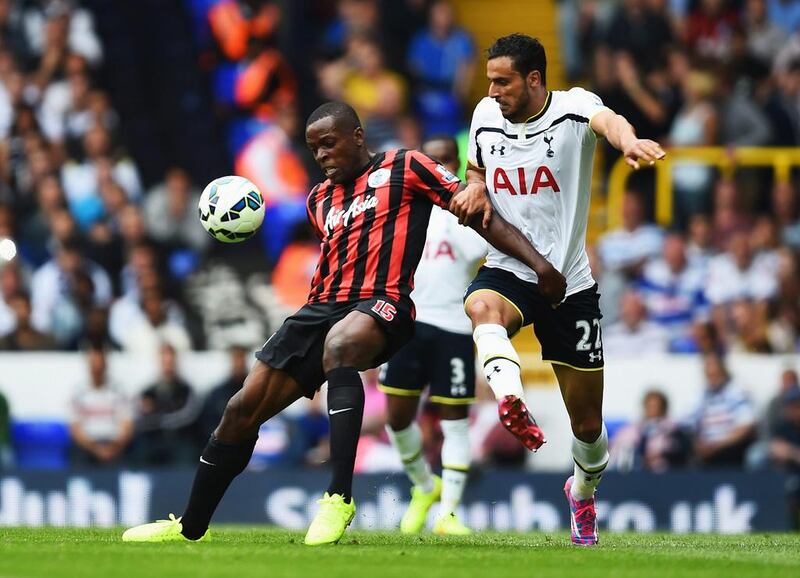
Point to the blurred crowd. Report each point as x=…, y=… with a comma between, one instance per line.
x=94, y=258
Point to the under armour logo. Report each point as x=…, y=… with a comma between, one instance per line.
x=495, y=369
x=548, y=140
x=501, y=148
x=596, y=357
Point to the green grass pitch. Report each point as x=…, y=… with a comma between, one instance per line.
x=243, y=552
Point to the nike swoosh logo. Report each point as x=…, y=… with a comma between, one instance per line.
x=335, y=411
x=203, y=461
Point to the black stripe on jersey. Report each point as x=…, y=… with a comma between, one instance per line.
x=430, y=180
x=360, y=268
x=570, y=116
x=418, y=217
x=324, y=267
x=478, y=154
x=396, y=188
x=341, y=252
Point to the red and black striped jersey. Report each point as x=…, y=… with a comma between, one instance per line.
x=373, y=228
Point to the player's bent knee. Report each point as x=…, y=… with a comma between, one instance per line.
x=588, y=429
x=481, y=311
x=343, y=350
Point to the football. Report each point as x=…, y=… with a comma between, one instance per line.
x=231, y=209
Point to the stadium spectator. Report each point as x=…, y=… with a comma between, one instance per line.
x=695, y=125
x=724, y=423
x=376, y=93
x=638, y=28
x=700, y=241
x=10, y=286
x=217, y=398
x=784, y=13
x=144, y=324
x=24, y=337
x=787, y=212
x=739, y=275
x=6, y=451
x=168, y=411
x=627, y=249
x=785, y=450
x=710, y=27
x=765, y=36
x=441, y=60
x=101, y=424
x=655, y=443
x=170, y=213
x=672, y=289
x=354, y=17
x=58, y=283
x=84, y=180
x=634, y=335
x=773, y=414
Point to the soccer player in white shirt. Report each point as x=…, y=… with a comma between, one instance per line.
x=440, y=356
x=530, y=159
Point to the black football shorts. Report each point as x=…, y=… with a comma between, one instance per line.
x=570, y=334
x=440, y=360
x=299, y=343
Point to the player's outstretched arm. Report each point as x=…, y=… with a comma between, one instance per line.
x=619, y=133
x=508, y=239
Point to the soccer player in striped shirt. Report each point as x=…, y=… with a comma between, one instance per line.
x=371, y=214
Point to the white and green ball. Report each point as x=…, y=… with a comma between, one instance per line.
x=231, y=209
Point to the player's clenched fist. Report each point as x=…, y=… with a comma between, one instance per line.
x=552, y=284
x=470, y=202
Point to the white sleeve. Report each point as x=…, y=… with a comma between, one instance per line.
x=474, y=155
x=585, y=103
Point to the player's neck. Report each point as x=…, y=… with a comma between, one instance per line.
x=536, y=107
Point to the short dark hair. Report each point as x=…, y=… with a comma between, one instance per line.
x=448, y=138
x=526, y=53
x=339, y=111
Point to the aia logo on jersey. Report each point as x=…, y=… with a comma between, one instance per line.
x=516, y=182
x=343, y=217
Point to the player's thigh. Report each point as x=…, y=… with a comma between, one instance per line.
x=266, y=392
x=452, y=369
x=570, y=334
x=355, y=341
x=582, y=392
x=499, y=297
x=373, y=331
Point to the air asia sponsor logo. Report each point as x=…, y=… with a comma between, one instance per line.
x=516, y=182
x=336, y=217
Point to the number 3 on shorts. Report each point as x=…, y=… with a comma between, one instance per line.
x=584, y=343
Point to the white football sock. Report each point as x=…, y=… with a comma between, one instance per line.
x=499, y=360
x=455, y=462
x=591, y=460
x=408, y=443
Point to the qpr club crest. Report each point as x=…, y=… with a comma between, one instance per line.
x=379, y=177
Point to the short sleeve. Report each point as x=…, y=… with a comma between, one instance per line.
x=427, y=177
x=585, y=103
x=474, y=154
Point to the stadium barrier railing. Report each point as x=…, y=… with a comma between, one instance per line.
x=727, y=160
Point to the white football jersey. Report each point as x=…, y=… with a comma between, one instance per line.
x=451, y=257
x=538, y=175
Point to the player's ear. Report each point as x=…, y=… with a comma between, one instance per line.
x=534, y=78
x=358, y=136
